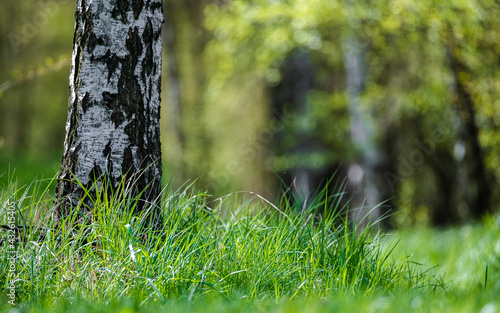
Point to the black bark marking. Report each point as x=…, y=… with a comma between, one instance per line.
x=156, y=6
x=147, y=36
x=129, y=90
x=86, y=102
x=137, y=6
x=110, y=100
x=109, y=162
x=107, y=150
x=128, y=161
x=117, y=117
x=134, y=43
x=95, y=173
x=112, y=62
x=120, y=11
x=133, y=133
x=94, y=42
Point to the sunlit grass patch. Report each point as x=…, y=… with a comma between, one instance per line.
x=468, y=256
x=259, y=254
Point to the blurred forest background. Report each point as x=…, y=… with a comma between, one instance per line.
x=399, y=98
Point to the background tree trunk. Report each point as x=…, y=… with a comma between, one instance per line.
x=300, y=81
x=362, y=174
x=112, y=131
x=472, y=182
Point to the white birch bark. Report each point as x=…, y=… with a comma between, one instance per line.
x=113, y=118
x=361, y=175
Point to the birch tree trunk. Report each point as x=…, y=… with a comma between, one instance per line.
x=112, y=131
x=361, y=175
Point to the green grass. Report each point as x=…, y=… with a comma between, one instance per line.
x=255, y=256
x=468, y=256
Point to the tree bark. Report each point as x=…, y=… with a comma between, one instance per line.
x=291, y=96
x=366, y=196
x=112, y=131
x=472, y=182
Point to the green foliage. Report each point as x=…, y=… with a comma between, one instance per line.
x=36, y=49
x=410, y=86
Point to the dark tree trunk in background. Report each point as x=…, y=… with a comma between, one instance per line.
x=301, y=82
x=291, y=96
x=472, y=182
x=112, y=132
x=445, y=211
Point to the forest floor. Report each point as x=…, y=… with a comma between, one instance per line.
x=256, y=257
